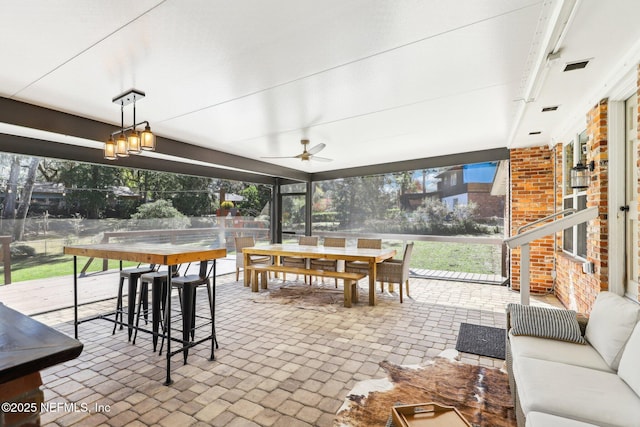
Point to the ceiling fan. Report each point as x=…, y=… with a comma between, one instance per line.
x=307, y=154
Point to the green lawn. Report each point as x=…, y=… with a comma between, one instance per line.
x=464, y=257
x=43, y=266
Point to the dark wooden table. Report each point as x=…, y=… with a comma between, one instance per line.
x=28, y=346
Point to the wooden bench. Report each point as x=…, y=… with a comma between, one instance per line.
x=259, y=273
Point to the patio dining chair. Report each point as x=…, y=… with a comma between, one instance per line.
x=396, y=271
x=247, y=242
x=329, y=264
x=289, y=261
x=361, y=266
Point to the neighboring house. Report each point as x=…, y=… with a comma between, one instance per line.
x=50, y=197
x=47, y=196
x=471, y=183
x=461, y=185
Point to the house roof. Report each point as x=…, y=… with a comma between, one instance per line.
x=380, y=83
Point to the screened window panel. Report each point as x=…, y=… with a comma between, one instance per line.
x=568, y=164
x=581, y=250
x=567, y=235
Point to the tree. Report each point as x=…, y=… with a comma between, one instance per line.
x=255, y=199
x=192, y=197
x=12, y=207
x=11, y=190
x=361, y=198
x=90, y=185
x=25, y=198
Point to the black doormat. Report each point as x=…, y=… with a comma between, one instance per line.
x=482, y=340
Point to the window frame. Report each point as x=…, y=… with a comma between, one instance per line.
x=574, y=198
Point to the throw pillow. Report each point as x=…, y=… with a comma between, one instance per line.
x=628, y=370
x=542, y=322
x=611, y=322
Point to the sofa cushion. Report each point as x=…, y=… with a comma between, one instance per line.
x=557, y=351
x=557, y=324
x=583, y=394
x=540, y=419
x=610, y=324
x=629, y=370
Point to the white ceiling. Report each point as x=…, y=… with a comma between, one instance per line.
x=375, y=80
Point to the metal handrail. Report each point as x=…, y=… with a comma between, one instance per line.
x=546, y=218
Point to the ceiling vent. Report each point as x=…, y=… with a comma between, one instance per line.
x=547, y=109
x=576, y=65
x=537, y=132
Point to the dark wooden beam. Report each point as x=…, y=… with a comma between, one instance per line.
x=55, y=150
x=35, y=117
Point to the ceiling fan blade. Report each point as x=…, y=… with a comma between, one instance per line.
x=321, y=159
x=278, y=157
x=317, y=148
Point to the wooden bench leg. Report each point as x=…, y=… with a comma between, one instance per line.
x=354, y=291
x=350, y=292
x=347, y=292
x=391, y=288
x=263, y=279
x=254, y=280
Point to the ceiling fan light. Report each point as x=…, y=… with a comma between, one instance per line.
x=122, y=146
x=134, y=142
x=148, y=139
x=110, y=149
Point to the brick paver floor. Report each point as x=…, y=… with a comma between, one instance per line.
x=277, y=365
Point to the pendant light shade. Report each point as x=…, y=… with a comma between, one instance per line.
x=122, y=146
x=134, y=142
x=148, y=139
x=110, y=149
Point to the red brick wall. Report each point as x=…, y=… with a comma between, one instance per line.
x=488, y=206
x=575, y=289
x=532, y=198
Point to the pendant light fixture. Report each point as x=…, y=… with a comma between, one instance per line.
x=133, y=142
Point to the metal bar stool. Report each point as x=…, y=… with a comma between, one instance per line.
x=187, y=286
x=158, y=280
x=132, y=274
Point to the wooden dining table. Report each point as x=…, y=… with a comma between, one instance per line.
x=370, y=256
x=158, y=255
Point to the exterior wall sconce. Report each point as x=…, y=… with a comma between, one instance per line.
x=134, y=142
x=581, y=175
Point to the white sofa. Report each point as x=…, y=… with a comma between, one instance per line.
x=555, y=382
